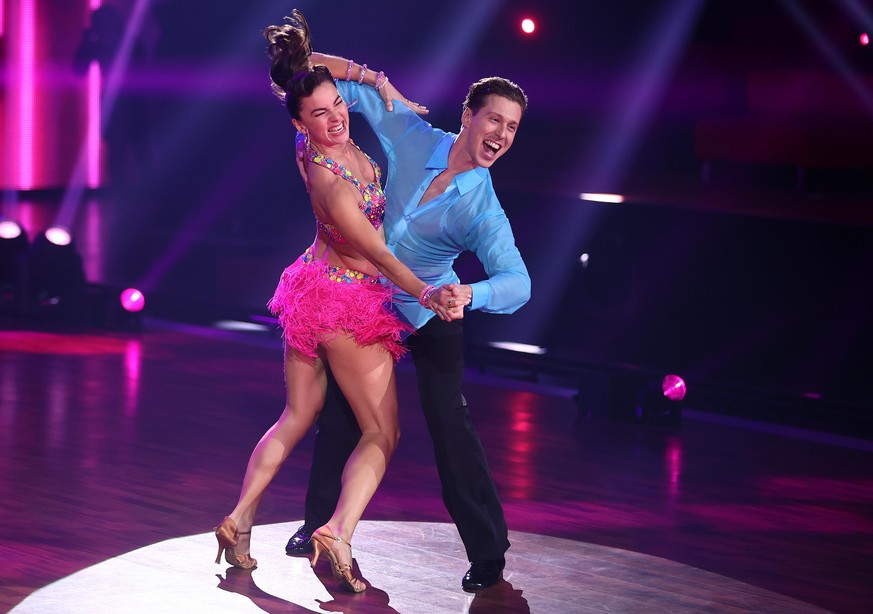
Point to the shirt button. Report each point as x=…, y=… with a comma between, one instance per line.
x=422, y=189
x=407, y=218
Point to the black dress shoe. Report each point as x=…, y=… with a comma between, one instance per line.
x=299, y=543
x=483, y=574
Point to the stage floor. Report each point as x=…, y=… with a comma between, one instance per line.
x=546, y=575
x=121, y=451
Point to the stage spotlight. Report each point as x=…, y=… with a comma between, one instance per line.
x=10, y=230
x=865, y=39
x=13, y=245
x=646, y=399
x=115, y=309
x=660, y=402
x=673, y=387
x=52, y=281
x=132, y=300
x=528, y=26
x=58, y=236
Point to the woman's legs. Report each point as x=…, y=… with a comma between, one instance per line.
x=305, y=383
x=366, y=377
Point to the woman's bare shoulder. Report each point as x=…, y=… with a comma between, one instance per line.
x=329, y=190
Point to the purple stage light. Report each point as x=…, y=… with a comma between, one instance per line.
x=674, y=387
x=58, y=235
x=528, y=26
x=9, y=230
x=132, y=300
x=865, y=39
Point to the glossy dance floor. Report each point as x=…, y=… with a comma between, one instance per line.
x=545, y=574
x=119, y=452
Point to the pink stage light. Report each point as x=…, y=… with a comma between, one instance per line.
x=9, y=230
x=528, y=26
x=132, y=300
x=865, y=39
x=674, y=387
x=94, y=84
x=58, y=236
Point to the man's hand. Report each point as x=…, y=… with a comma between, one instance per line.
x=448, y=301
x=462, y=293
x=389, y=94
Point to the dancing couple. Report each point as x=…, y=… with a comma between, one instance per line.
x=344, y=325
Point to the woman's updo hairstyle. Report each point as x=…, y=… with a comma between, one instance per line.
x=290, y=45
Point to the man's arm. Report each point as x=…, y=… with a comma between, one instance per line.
x=508, y=285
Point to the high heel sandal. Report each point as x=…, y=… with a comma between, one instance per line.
x=324, y=540
x=228, y=537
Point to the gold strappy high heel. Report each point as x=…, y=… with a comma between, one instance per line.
x=324, y=540
x=228, y=536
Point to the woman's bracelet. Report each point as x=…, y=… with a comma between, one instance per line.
x=363, y=72
x=349, y=70
x=381, y=80
x=424, y=297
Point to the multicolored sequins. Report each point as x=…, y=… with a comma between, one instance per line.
x=373, y=199
x=341, y=274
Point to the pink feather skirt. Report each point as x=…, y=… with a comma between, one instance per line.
x=314, y=301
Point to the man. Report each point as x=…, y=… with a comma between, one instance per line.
x=440, y=203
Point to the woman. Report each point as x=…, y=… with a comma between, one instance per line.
x=331, y=306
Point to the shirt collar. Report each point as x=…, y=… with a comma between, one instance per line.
x=439, y=160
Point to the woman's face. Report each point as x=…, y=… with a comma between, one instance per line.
x=325, y=116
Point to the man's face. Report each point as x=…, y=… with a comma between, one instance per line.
x=491, y=129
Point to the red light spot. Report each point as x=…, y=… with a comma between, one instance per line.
x=865, y=39
x=132, y=300
x=673, y=387
x=528, y=26
x=68, y=344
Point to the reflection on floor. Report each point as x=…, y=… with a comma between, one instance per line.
x=122, y=451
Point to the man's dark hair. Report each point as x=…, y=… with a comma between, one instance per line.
x=498, y=86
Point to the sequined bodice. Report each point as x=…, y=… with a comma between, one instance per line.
x=373, y=199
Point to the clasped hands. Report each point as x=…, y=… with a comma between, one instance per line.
x=449, y=300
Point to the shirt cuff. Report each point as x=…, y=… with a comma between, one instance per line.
x=481, y=294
